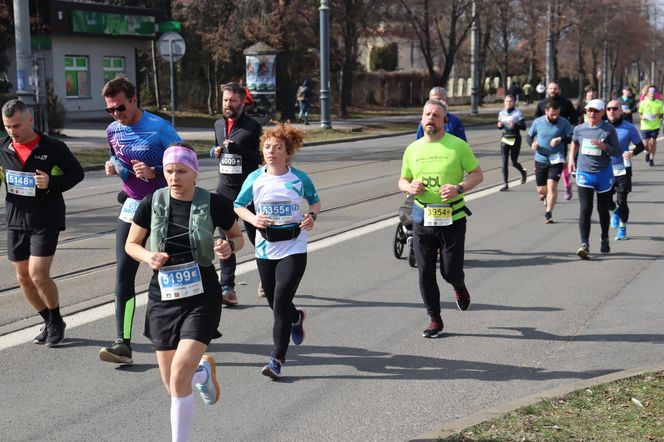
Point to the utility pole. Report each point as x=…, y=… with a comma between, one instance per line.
x=654, y=44
x=474, y=72
x=25, y=90
x=324, y=9
x=549, y=42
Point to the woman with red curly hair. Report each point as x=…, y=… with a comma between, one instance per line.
x=277, y=191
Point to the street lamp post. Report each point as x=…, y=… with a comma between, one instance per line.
x=324, y=9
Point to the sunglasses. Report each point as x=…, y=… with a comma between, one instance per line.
x=112, y=110
x=612, y=108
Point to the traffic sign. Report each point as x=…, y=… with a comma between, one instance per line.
x=171, y=46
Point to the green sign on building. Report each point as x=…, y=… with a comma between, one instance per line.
x=113, y=24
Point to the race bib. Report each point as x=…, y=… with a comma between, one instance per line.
x=619, y=170
x=507, y=120
x=230, y=163
x=587, y=148
x=180, y=281
x=281, y=212
x=508, y=140
x=21, y=183
x=128, y=209
x=556, y=158
x=650, y=117
x=437, y=215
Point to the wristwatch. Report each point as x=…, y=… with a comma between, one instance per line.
x=459, y=189
x=313, y=215
x=232, y=244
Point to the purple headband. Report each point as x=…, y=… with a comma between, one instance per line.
x=179, y=154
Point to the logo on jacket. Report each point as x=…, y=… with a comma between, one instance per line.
x=40, y=157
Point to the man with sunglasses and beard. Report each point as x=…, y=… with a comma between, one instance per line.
x=137, y=141
x=622, y=165
x=237, y=146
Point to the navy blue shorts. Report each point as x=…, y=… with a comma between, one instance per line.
x=645, y=134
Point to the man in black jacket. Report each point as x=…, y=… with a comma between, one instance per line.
x=36, y=169
x=237, y=139
x=567, y=109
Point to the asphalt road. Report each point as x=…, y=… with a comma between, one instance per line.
x=540, y=317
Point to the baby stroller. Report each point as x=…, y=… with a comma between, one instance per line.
x=404, y=234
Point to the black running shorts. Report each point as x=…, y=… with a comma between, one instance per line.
x=22, y=244
x=544, y=172
x=196, y=317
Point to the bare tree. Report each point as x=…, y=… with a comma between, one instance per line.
x=448, y=23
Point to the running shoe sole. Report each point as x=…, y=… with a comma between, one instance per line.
x=107, y=356
x=583, y=253
x=269, y=373
x=213, y=372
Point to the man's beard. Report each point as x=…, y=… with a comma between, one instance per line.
x=231, y=113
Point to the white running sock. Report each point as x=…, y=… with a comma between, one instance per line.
x=200, y=376
x=182, y=417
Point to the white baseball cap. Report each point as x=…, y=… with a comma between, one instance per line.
x=595, y=104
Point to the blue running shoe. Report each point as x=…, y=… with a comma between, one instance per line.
x=297, y=330
x=615, y=221
x=209, y=390
x=622, y=233
x=272, y=369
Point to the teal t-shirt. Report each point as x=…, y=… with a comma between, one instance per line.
x=438, y=163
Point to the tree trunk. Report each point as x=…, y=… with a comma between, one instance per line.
x=210, y=83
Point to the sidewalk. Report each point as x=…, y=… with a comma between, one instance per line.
x=83, y=135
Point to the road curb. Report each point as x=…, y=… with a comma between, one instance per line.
x=456, y=426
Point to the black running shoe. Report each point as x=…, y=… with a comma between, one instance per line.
x=605, y=247
x=651, y=163
x=435, y=329
x=55, y=333
x=118, y=353
x=524, y=176
x=462, y=299
x=505, y=188
x=41, y=337
x=647, y=158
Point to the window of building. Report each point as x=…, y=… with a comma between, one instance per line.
x=77, y=76
x=113, y=67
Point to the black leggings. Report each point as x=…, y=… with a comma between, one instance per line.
x=586, y=201
x=280, y=278
x=227, y=267
x=511, y=152
x=125, y=280
x=622, y=209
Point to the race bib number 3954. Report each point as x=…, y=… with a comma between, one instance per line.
x=437, y=215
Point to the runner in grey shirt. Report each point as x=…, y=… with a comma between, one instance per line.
x=593, y=158
x=595, y=141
